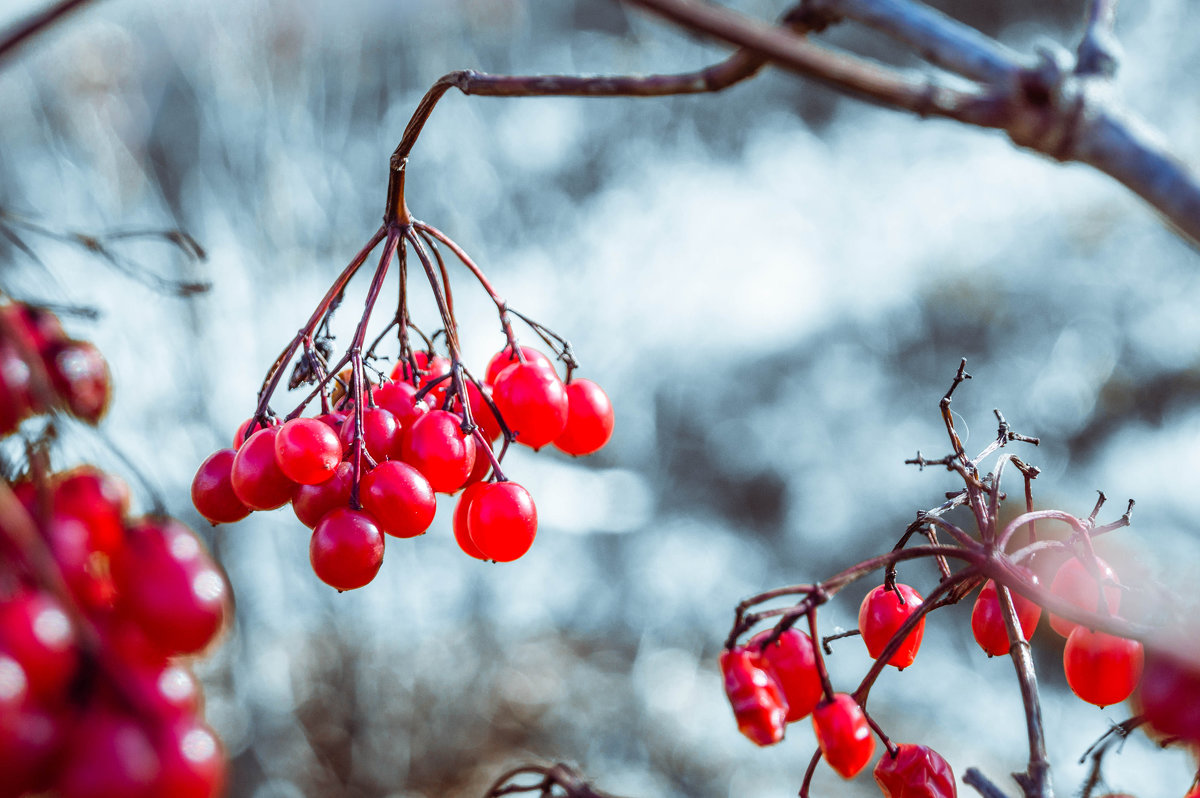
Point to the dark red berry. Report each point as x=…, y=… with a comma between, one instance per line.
x=843, y=735
x=1169, y=693
x=916, y=771
x=502, y=521
x=109, y=755
x=80, y=376
x=532, y=402
x=589, y=419
x=757, y=700
x=399, y=498
x=380, y=431
x=881, y=615
x=36, y=631
x=987, y=621
x=212, y=489
x=311, y=502
x=307, y=450
x=438, y=448
x=792, y=661
x=255, y=475
x=346, y=549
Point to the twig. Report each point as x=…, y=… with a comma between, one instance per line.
x=35, y=24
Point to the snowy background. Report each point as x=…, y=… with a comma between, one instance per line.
x=774, y=285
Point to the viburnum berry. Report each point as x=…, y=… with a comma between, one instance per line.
x=987, y=621
x=346, y=549
x=191, y=761
x=80, y=376
x=1075, y=583
x=86, y=571
x=915, y=771
x=243, y=430
x=109, y=755
x=380, y=430
x=307, y=450
x=843, y=735
x=1169, y=693
x=36, y=632
x=482, y=413
x=881, y=615
x=256, y=476
x=461, y=535
x=589, y=419
x=533, y=403
x=507, y=357
x=438, y=448
x=31, y=741
x=792, y=661
x=757, y=699
x=170, y=586
x=312, y=502
x=502, y=521
x=399, y=499
x=1102, y=669
x=97, y=499
x=399, y=398
x=212, y=489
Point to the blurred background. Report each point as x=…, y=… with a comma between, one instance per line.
x=774, y=284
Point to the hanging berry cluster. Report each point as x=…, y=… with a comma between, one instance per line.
x=42, y=368
x=368, y=461
x=779, y=676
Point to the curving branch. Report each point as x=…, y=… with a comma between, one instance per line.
x=22, y=31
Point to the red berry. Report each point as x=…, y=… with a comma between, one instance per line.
x=97, y=499
x=109, y=755
x=1102, y=669
x=31, y=741
x=307, y=450
x=792, y=661
x=1169, y=694
x=399, y=498
x=502, y=521
x=461, y=535
x=482, y=413
x=212, y=489
x=16, y=386
x=881, y=615
x=311, y=502
x=843, y=735
x=532, y=402
x=240, y=436
x=399, y=399
x=255, y=475
x=589, y=419
x=192, y=761
x=506, y=357
x=757, y=699
x=916, y=771
x=437, y=447
x=346, y=549
x=36, y=632
x=171, y=588
x=381, y=433
x=1075, y=583
x=987, y=621
x=86, y=571
x=80, y=376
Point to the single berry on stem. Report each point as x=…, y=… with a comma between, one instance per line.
x=502, y=521
x=438, y=448
x=881, y=615
x=381, y=433
x=507, y=357
x=212, y=489
x=987, y=620
x=843, y=735
x=792, y=660
x=307, y=450
x=1076, y=584
x=1102, y=669
x=461, y=535
x=758, y=703
x=532, y=402
x=346, y=549
x=915, y=771
x=399, y=498
x=255, y=475
x=311, y=502
x=589, y=419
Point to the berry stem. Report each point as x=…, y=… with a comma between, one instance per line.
x=1035, y=781
x=809, y=771
x=819, y=656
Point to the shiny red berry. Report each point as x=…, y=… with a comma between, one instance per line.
x=170, y=586
x=399, y=399
x=506, y=357
x=212, y=489
x=532, y=402
x=843, y=735
x=881, y=615
x=307, y=450
x=757, y=700
x=793, y=662
x=1102, y=669
x=380, y=430
x=80, y=376
x=346, y=549
x=399, y=499
x=243, y=430
x=192, y=761
x=916, y=771
x=97, y=499
x=589, y=419
x=987, y=621
x=437, y=447
x=256, y=476
x=109, y=755
x=461, y=535
x=311, y=502
x=1075, y=583
x=502, y=521
x=36, y=631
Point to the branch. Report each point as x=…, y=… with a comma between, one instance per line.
x=1099, y=53
x=35, y=24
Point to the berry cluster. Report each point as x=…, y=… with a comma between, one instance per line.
x=356, y=477
x=370, y=462
x=100, y=615
x=779, y=675
x=42, y=368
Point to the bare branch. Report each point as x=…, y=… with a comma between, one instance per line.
x=1099, y=53
x=35, y=24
